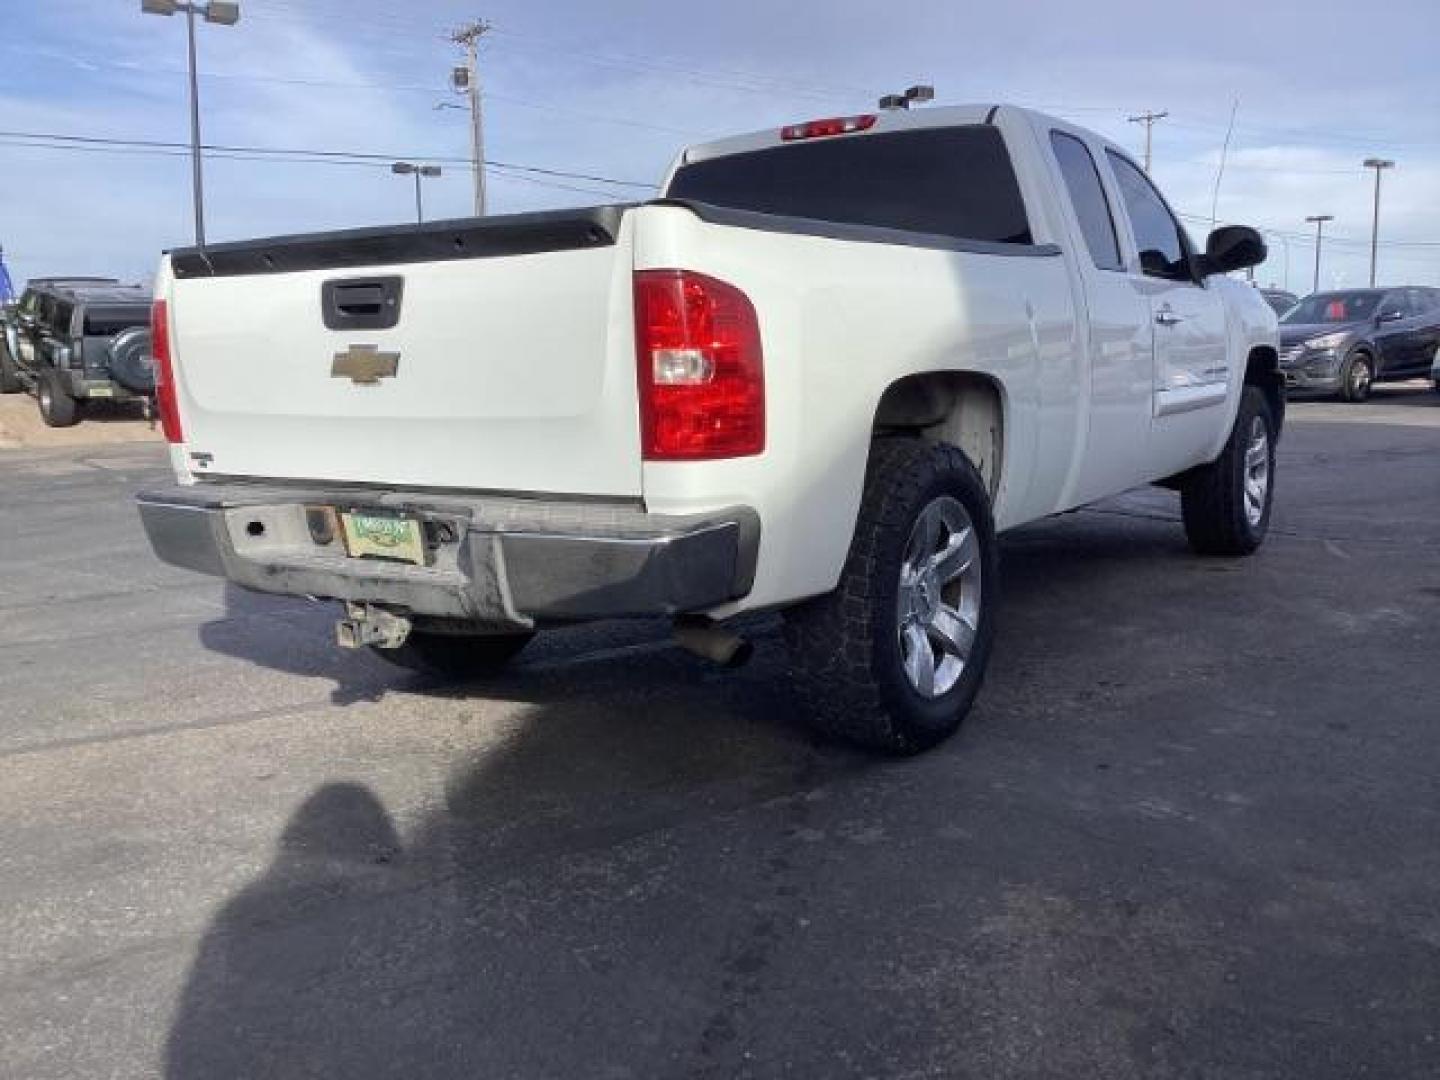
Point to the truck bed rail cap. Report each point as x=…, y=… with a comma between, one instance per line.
x=435, y=241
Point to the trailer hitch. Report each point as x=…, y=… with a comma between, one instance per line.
x=365, y=624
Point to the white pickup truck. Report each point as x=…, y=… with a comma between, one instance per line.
x=817, y=376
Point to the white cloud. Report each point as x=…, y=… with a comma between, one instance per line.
x=87, y=68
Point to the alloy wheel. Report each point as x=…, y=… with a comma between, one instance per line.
x=1257, y=471
x=1360, y=377
x=939, y=597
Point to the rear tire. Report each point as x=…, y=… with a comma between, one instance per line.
x=57, y=408
x=1226, y=505
x=1357, y=378
x=456, y=655
x=9, y=373
x=892, y=659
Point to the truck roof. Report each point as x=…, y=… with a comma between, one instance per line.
x=885, y=120
x=93, y=291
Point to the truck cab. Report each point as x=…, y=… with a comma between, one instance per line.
x=818, y=375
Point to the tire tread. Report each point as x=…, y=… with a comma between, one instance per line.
x=830, y=639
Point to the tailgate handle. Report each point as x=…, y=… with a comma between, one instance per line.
x=361, y=303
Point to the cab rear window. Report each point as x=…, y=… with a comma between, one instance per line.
x=954, y=182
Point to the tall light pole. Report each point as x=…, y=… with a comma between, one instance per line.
x=1148, y=119
x=1318, y=220
x=221, y=13
x=425, y=172
x=466, y=80
x=1379, y=165
x=1285, y=243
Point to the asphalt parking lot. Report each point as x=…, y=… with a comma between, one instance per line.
x=1192, y=829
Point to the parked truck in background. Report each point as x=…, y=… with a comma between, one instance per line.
x=818, y=375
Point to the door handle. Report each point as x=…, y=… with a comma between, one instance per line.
x=362, y=303
x=1166, y=317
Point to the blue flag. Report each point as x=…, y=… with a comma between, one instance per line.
x=7, y=288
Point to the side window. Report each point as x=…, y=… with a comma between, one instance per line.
x=61, y=316
x=1157, y=233
x=1087, y=195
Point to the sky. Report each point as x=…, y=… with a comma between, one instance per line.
x=613, y=90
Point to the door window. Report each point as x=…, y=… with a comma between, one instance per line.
x=1087, y=196
x=1157, y=234
x=1395, y=306
x=60, y=318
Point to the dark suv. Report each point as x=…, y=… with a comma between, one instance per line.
x=73, y=340
x=1344, y=342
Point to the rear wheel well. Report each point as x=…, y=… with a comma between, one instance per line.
x=1262, y=369
x=962, y=408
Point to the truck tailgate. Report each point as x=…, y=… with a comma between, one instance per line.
x=509, y=365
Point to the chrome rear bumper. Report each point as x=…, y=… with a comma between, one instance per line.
x=496, y=561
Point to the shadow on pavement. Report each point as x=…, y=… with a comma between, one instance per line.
x=513, y=921
x=297, y=637
x=580, y=899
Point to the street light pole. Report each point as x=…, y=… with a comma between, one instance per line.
x=419, y=172
x=1379, y=165
x=222, y=13
x=197, y=178
x=1319, y=222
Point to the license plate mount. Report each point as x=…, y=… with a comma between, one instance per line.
x=383, y=536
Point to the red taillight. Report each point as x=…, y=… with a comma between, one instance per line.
x=701, y=368
x=835, y=125
x=164, y=373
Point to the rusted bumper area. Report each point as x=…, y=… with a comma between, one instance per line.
x=503, y=562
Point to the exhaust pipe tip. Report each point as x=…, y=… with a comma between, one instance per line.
x=707, y=639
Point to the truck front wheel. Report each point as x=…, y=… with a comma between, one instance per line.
x=893, y=658
x=1226, y=505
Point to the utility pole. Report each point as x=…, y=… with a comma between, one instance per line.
x=1148, y=119
x=1318, y=220
x=467, y=80
x=1379, y=165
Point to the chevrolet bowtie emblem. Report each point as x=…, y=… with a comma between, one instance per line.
x=365, y=365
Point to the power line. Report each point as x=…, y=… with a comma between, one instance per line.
x=498, y=171
x=1291, y=234
x=353, y=155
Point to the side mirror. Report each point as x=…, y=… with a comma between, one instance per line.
x=1390, y=316
x=1232, y=247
